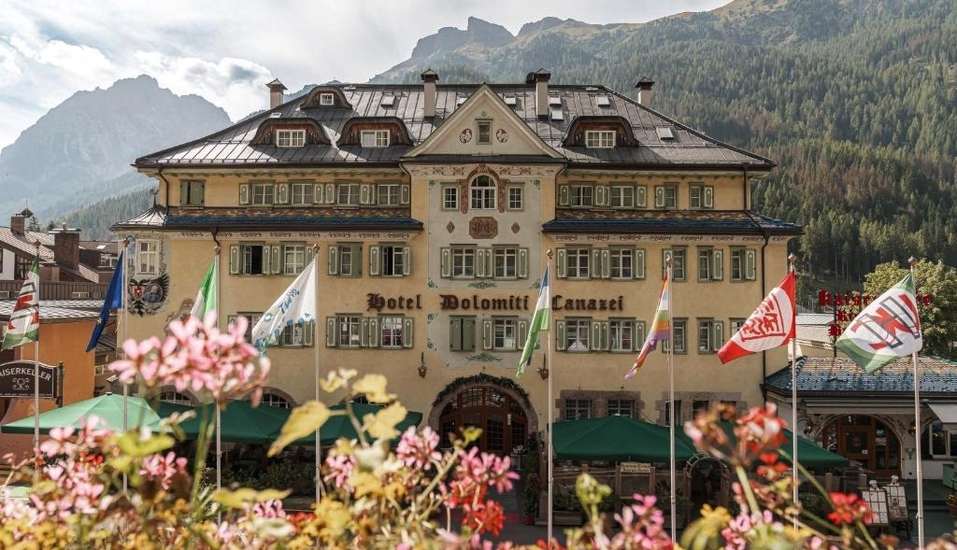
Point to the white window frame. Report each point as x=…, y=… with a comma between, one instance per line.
x=482, y=195
x=348, y=331
x=575, y=408
x=463, y=262
x=327, y=98
x=516, y=197
x=700, y=197
x=147, y=257
x=247, y=259
x=600, y=139
x=388, y=194
x=504, y=333
x=450, y=197
x=615, y=406
x=293, y=258
x=710, y=335
x=290, y=138
x=262, y=194
x=302, y=193
x=347, y=193
x=483, y=134
x=621, y=263
x=578, y=262
x=505, y=262
x=666, y=196
x=679, y=263
x=376, y=139
x=393, y=260
x=710, y=264
x=391, y=331
x=192, y=193
x=743, y=264
x=621, y=335
x=622, y=196
x=577, y=335
x=581, y=195
x=299, y=335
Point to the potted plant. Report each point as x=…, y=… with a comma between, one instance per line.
x=952, y=504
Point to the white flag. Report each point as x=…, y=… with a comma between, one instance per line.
x=296, y=305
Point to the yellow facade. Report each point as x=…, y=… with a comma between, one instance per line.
x=456, y=295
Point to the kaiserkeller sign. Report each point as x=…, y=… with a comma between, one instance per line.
x=16, y=380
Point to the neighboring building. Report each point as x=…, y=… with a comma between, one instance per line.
x=433, y=207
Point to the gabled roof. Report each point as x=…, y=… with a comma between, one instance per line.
x=24, y=244
x=839, y=376
x=234, y=147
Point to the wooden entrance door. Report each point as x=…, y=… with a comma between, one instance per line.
x=502, y=420
x=867, y=440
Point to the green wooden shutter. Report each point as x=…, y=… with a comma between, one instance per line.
x=641, y=196
x=333, y=260
x=267, y=259
x=374, y=261
x=560, y=332
x=488, y=339
x=330, y=332
x=365, y=194
x=594, y=267
x=234, y=259
x=356, y=260
x=330, y=194
x=468, y=334
x=446, y=263
x=639, y=336
x=309, y=334
x=277, y=259
x=659, y=197
x=522, y=263
x=605, y=341
x=717, y=265
x=406, y=260
x=455, y=334
x=717, y=335
x=522, y=333
x=405, y=195
x=708, y=201
x=317, y=192
x=750, y=265
x=596, y=336
x=408, y=332
x=364, y=332
x=563, y=199
x=639, y=263
x=605, y=269
x=282, y=193
x=562, y=263
x=244, y=193
x=601, y=195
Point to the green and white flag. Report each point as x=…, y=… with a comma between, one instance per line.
x=206, y=297
x=24, y=324
x=539, y=323
x=887, y=329
x=296, y=305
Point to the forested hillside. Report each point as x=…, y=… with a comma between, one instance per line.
x=95, y=220
x=854, y=99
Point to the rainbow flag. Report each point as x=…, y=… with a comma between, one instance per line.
x=659, y=330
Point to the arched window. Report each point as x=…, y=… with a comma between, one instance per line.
x=483, y=193
x=275, y=400
x=171, y=396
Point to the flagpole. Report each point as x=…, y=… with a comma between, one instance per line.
x=36, y=372
x=917, y=431
x=550, y=405
x=219, y=413
x=671, y=400
x=794, y=401
x=315, y=345
x=121, y=333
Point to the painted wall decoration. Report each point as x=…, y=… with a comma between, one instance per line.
x=147, y=296
x=501, y=135
x=466, y=135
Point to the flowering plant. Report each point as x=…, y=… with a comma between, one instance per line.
x=952, y=499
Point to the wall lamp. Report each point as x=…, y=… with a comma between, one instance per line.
x=422, y=368
x=543, y=370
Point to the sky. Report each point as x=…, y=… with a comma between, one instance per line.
x=226, y=50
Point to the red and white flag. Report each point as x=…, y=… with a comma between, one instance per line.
x=771, y=325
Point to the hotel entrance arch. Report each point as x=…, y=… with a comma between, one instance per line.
x=866, y=439
x=498, y=406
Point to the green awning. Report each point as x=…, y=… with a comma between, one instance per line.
x=810, y=454
x=108, y=406
x=339, y=426
x=617, y=438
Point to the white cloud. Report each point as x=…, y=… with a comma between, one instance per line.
x=225, y=50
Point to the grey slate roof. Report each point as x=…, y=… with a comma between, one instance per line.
x=24, y=244
x=823, y=376
x=59, y=310
x=233, y=146
x=718, y=222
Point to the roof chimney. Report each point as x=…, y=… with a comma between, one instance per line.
x=66, y=247
x=275, y=93
x=429, y=78
x=540, y=78
x=644, y=90
x=18, y=224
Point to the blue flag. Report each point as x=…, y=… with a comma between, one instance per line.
x=113, y=300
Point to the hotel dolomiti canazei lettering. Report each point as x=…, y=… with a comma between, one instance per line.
x=474, y=302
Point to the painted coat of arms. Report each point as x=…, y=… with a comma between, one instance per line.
x=146, y=296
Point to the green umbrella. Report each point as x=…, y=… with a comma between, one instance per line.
x=108, y=406
x=340, y=425
x=240, y=422
x=617, y=438
x=810, y=454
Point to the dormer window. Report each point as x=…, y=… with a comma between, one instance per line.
x=327, y=99
x=290, y=138
x=600, y=139
x=375, y=138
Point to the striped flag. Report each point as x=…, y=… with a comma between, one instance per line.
x=539, y=323
x=206, y=297
x=771, y=325
x=24, y=324
x=887, y=329
x=296, y=305
x=660, y=327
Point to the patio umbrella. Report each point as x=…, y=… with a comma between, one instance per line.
x=616, y=438
x=240, y=421
x=340, y=425
x=108, y=406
